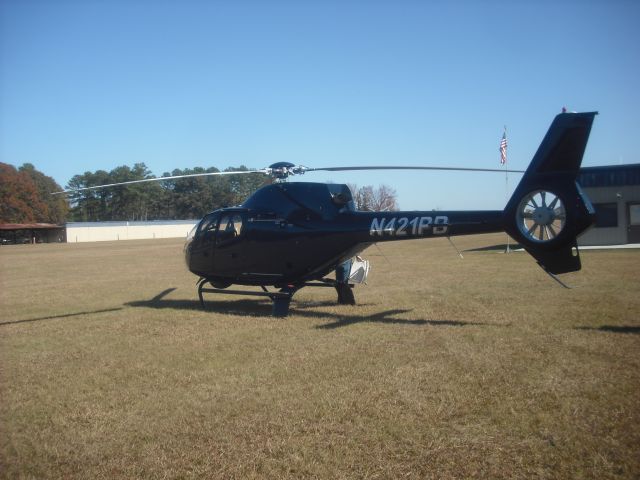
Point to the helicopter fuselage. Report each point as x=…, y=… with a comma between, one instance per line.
x=291, y=233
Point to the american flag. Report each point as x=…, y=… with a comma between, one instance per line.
x=503, y=148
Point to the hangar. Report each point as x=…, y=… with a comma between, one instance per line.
x=614, y=191
x=18, y=233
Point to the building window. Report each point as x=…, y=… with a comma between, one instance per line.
x=606, y=215
x=634, y=214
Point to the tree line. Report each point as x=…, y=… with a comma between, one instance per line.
x=25, y=195
x=183, y=198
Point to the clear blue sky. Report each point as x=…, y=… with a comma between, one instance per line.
x=88, y=85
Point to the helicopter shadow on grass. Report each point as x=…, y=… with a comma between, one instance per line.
x=386, y=317
x=63, y=315
x=613, y=329
x=243, y=307
x=495, y=248
x=262, y=307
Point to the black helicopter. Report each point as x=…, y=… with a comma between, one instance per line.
x=287, y=236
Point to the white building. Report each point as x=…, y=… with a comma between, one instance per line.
x=109, y=231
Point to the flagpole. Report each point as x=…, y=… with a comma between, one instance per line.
x=503, y=160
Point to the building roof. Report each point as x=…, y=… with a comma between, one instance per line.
x=29, y=226
x=131, y=223
x=610, y=175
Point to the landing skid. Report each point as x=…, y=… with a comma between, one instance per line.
x=281, y=299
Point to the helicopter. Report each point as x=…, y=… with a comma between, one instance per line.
x=287, y=236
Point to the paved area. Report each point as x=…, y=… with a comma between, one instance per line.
x=606, y=247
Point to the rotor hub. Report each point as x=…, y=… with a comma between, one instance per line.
x=280, y=171
x=543, y=215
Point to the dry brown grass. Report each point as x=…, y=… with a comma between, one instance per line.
x=448, y=368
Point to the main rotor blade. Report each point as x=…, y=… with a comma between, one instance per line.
x=159, y=179
x=377, y=167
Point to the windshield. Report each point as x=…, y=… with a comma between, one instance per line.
x=192, y=232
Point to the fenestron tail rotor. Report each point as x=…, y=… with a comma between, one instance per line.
x=541, y=216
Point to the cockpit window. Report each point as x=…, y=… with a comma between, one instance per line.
x=208, y=226
x=192, y=233
x=230, y=228
x=237, y=224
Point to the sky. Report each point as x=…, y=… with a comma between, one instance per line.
x=92, y=85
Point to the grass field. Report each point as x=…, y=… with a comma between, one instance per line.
x=481, y=367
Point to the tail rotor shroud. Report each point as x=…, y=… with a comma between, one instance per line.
x=541, y=216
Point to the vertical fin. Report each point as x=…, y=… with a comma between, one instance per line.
x=548, y=210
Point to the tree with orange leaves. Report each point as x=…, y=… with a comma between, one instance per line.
x=20, y=198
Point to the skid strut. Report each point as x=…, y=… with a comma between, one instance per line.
x=281, y=299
